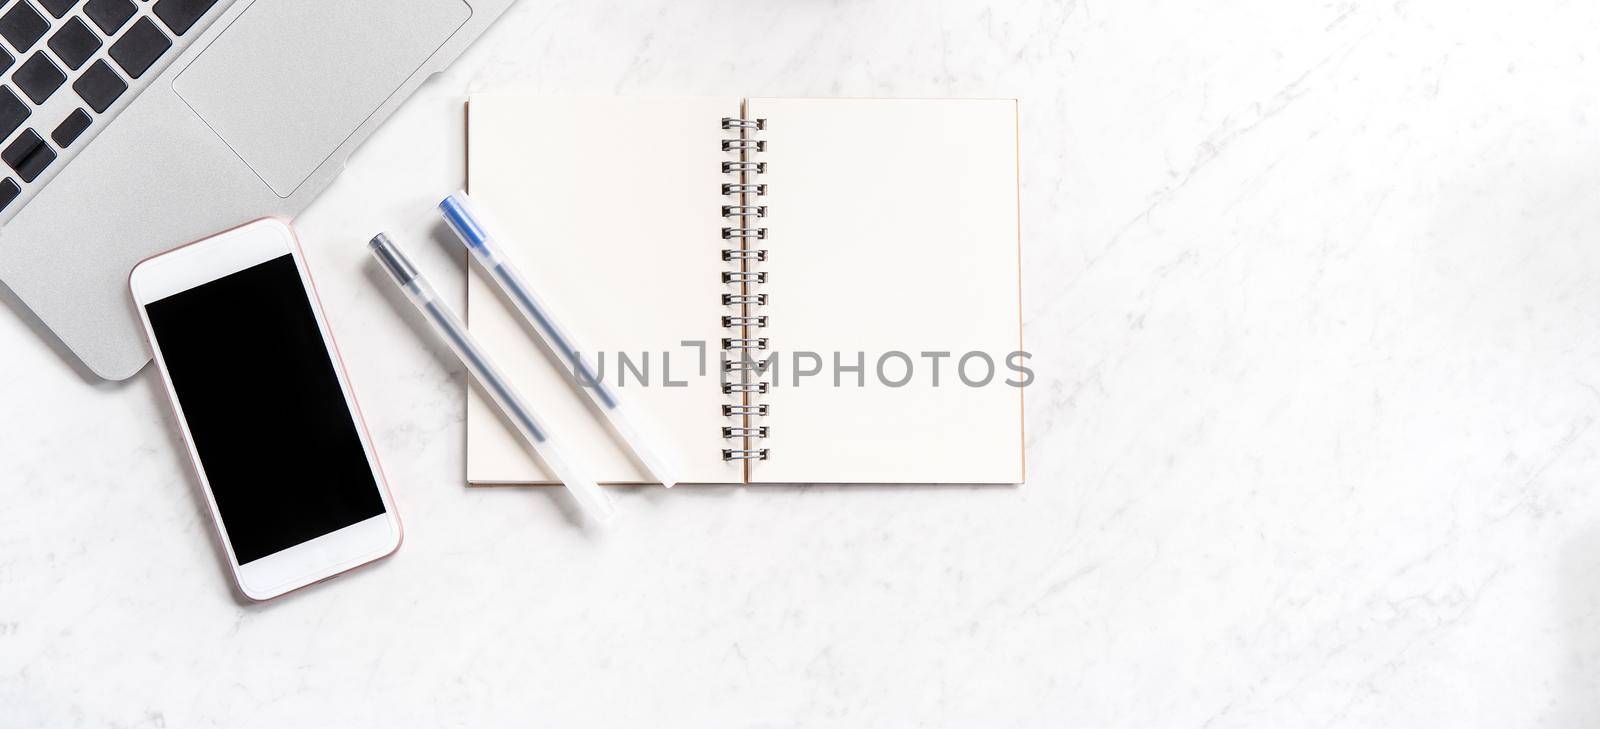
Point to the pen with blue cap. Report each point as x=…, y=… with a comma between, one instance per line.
x=475, y=235
x=417, y=289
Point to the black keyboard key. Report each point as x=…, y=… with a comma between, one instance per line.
x=99, y=86
x=58, y=8
x=38, y=77
x=22, y=26
x=74, y=43
x=179, y=15
x=9, y=190
x=70, y=128
x=28, y=155
x=5, y=59
x=110, y=15
x=139, y=48
x=13, y=112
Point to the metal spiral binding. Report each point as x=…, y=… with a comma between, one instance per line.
x=744, y=215
x=731, y=343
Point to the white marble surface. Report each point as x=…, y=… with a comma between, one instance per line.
x=1314, y=294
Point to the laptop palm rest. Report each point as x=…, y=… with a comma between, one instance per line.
x=267, y=84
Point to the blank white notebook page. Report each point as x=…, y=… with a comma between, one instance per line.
x=892, y=228
x=611, y=207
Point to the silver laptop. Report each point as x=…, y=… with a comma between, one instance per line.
x=129, y=126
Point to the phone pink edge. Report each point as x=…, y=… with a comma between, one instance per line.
x=338, y=359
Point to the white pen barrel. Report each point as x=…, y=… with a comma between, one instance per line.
x=595, y=501
x=642, y=441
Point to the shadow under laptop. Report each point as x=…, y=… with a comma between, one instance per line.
x=58, y=347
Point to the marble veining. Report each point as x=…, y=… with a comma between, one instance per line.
x=1311, y=291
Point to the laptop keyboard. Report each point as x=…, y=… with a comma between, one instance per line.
x=65, y=65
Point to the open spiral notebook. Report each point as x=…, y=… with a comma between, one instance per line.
x=794, y=290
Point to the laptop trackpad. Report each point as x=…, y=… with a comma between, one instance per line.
x=289, y=80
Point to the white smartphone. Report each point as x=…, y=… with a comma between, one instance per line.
x=267, y=414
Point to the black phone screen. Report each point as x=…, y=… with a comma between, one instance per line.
x=262, y=401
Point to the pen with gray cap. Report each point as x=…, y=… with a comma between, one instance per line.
x=588, y=495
